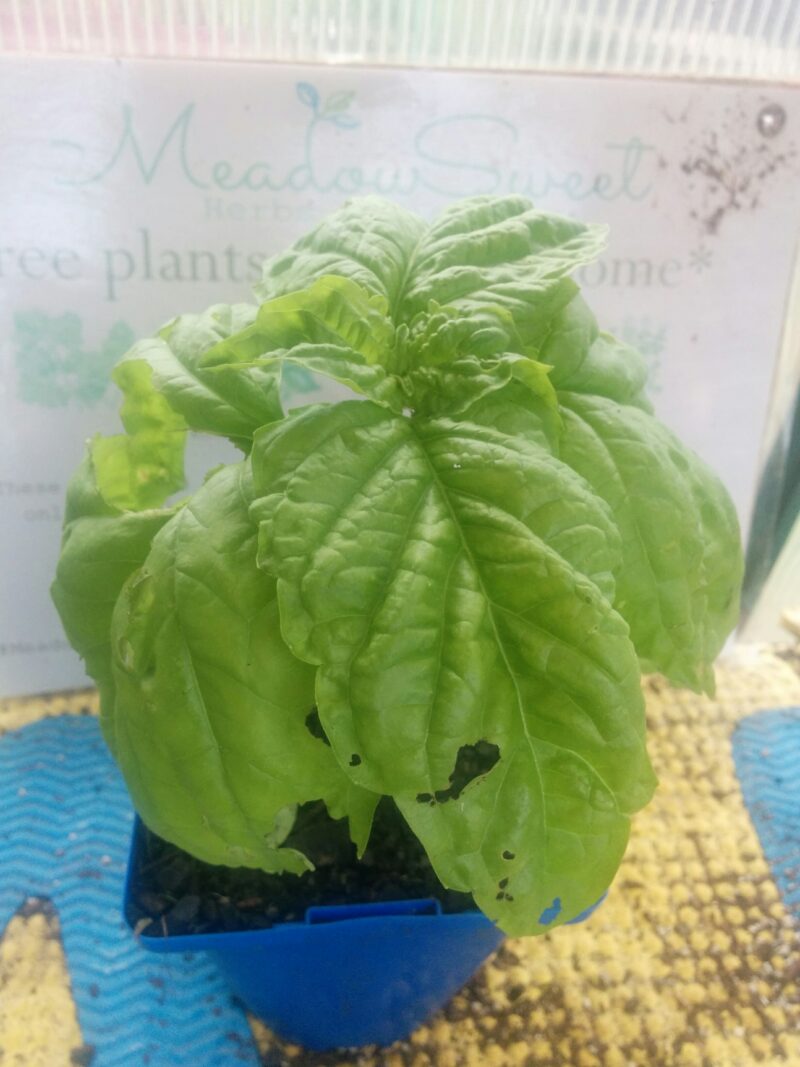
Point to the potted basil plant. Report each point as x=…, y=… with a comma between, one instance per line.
x=434, y=599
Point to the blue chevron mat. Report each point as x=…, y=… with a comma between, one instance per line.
x=65, y=825
x=766, y=750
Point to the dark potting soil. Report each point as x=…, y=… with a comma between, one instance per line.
x=174, y=893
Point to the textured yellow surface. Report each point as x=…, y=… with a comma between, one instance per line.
x=692, y=961
x=38, y=1025
x=19, y=711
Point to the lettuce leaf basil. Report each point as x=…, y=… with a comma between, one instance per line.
x=460, y=575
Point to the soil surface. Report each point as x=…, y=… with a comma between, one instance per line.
x=174, y=893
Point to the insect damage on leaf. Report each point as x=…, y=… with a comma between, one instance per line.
x=471, y=761
x=314, y=726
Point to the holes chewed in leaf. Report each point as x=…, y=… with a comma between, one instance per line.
x=355, y=760
x=472, y=761
x=508, y=855
x=502, y=894
x=314, y=726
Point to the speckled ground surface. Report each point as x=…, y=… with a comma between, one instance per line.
x=692, y=962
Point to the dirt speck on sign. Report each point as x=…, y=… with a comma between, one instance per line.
x=728, y=169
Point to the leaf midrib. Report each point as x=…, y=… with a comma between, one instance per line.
x=439, y=484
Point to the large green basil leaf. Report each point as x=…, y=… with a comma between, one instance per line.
x=453, y=584
x=211, y=707
x=492, y=251
x=682, y=564
x=369, y=241
x=585, y=360
x=114, y=508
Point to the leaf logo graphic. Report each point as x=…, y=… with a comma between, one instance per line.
x=54, y=366
x=335, y=108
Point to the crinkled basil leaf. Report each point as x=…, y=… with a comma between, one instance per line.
x=451, y=388
x=369, y=241
x=681, y=569
x=333, y=312
x=211, y=706
x=231, y=403
x=453, y=584
x=482, y=253
x=443, y=334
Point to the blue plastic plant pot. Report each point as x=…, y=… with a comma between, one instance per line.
x=348, y=975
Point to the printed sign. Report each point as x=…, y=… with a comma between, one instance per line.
x=132, y=191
